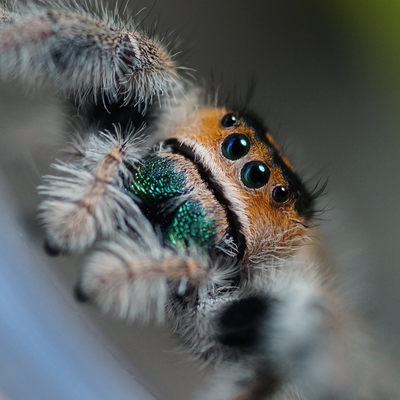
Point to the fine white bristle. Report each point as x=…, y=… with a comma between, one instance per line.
x=85, y=54
x=89, y=197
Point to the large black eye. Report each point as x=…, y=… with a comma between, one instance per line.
x=235, y=146
x=280, y=194
x=255, y=174
x=229, y=120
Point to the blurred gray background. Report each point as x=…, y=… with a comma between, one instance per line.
x=327, y=85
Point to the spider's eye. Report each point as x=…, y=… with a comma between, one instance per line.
x=229, y=120
x=235, y=146
x=280, y=194
x=255, y=174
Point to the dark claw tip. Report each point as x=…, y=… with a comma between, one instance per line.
x=80, y=295
x=51, y=250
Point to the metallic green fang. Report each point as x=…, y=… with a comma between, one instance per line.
x=160, y=179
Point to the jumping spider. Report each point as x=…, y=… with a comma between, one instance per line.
x=201, y=214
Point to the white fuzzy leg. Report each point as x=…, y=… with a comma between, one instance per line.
x=90, y=196
x=315, y=340
x=134, y=278
x=310, y=347
x=82, y=55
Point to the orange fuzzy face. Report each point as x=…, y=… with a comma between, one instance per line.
x=266, y=203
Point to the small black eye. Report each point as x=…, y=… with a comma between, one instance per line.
x=255, y=174
x=235, y=146
x=280, y=194
x=229, y=120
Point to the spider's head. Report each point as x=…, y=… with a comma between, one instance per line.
x=236, y=186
